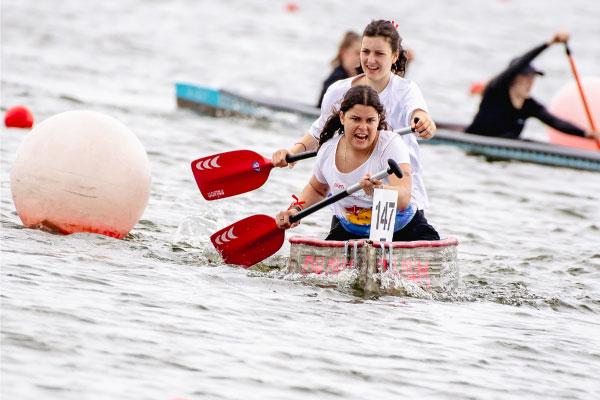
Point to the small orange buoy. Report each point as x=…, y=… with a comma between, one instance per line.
x=476, y=88
x=18, y=117
x=291, y=7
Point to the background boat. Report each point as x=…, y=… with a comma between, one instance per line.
x=220, y=102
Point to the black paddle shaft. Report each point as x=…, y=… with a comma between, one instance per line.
x=392, y=169
x=290, y=158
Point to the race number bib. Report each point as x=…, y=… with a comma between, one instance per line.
x=383, y=215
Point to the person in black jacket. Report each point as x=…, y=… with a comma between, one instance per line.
x=507, y=101
x=345, y=62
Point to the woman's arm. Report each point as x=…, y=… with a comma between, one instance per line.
x=306, y=143
x=557, y=123
x=314, y=192
x=506, y=77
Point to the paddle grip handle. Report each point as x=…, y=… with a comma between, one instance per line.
x=290, y=158
x=392, y=169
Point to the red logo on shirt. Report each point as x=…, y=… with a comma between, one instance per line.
x=353, y=210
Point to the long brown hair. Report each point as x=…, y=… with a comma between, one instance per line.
x=387, y=30
x=349, y=38
x=361, y=94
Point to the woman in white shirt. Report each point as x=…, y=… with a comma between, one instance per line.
x=383, y=61
x=353, y=144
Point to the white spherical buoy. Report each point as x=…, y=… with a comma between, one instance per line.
x=81, y=171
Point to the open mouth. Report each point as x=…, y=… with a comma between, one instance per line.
x=360, y=138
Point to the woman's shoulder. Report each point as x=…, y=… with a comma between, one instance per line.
x=341, y=86
x=328, y=145
x=400, y=83
x=399, y=89
x=335, y=93
x=387, y=138
x=386, y=135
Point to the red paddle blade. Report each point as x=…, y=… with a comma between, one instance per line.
x=231, y=173
x=249, y=240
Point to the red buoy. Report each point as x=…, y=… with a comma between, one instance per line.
x=291, y=7
x=477, y=88
x=18, y=117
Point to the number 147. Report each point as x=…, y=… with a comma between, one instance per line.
x=385, y=214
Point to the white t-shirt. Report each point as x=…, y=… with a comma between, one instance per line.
x=354, y=211
x=400, y=98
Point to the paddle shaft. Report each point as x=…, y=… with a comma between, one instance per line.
x=403, y=131
x=339, y=195
x=580, y=87
x=290, y=158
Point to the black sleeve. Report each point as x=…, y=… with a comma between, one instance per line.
x=326, y=84
x=542, y=113
x=506, y=77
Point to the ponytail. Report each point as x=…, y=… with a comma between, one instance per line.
x=333, y=125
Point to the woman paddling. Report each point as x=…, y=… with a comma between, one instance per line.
x=346, y=63
x=354, y=143
x=507, y=101
x=383, y=60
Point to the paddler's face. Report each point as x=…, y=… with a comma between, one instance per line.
x=360, y=126
x=376, y=57
x=523, y=83
x=351, y=57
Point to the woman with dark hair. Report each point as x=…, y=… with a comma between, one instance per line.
x=346, y=62
x=383, y=61
x=354, y=143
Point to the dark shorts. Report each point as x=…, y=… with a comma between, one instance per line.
x=417, y=229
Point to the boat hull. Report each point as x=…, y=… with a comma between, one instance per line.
x=509, y=149
x=430, y=265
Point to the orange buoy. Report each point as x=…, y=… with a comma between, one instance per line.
x=291, y=6
x=477, y=88
x=81, y=171
x=18, y=117
x=567, y=104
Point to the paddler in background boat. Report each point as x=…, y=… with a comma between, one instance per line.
x=383, y=59
x=507, y=101
x=353, y=143
x=346, y=63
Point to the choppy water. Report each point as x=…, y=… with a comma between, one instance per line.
x=156, y=317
